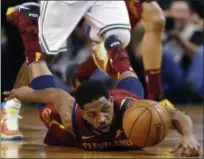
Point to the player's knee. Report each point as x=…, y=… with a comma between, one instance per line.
x=158, y=23
x=123, y=35
x=155, y=19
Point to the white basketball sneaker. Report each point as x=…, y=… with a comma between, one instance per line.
x=9, y=120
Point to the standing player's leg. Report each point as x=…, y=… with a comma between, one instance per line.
x=97, y=60
x=85, y=70
x=108, y=27
x=56, y=22
x=39, y=74
x=109, y=54
x=128, y=80
x=154, y=22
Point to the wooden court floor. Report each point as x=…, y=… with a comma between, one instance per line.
x=34, y=131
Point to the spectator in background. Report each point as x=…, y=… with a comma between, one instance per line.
x=181, y=37
x=182, y=63
x=195, y=76
x=183, y=52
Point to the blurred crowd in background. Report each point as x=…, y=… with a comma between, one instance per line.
x=182, y=65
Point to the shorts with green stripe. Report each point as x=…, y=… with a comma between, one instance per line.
x=59, y=18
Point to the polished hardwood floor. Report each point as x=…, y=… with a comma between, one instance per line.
x=32, y=146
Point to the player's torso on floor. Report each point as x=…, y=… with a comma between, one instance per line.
x=115, y=138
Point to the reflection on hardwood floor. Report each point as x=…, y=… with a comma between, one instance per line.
x=34, y=131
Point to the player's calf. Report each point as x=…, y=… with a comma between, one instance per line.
x=154, y=22
x=22, y=17
x=117, y=64
x=25, y=17
x=153, y=17
x=115, y=42
x=85, y=70
x=110, y=55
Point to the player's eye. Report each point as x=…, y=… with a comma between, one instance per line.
x=106, y=109
x=91, y=114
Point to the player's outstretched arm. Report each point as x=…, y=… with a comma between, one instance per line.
x=59, y=98
x=188, y=145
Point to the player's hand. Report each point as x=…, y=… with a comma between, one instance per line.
x=188, y=146
x=23, y=94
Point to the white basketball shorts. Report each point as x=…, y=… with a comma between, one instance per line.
x=59, y=18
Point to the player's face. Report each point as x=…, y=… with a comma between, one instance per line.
x=99, y=114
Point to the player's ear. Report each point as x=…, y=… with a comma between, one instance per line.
x=111, y=99
x=82, y=112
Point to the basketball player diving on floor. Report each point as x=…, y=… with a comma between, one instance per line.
x=102, y=57
x=56, y=22
x=93, y=118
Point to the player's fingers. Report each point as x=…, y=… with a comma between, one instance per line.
x=10, y=96
x=185, y=145
x=6, y=93
x=174, y=148
x=188, y=152
x=195, y=152
x=180, y=152
x=13, y=90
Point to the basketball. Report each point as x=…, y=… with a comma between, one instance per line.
x=146, y=123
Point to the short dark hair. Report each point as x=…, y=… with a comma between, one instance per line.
x=90, y=90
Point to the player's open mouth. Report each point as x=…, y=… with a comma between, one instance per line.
x=105, y=127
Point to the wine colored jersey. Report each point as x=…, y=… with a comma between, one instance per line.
x=86, y=136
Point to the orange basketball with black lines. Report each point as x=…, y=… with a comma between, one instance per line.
x=146, y=123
